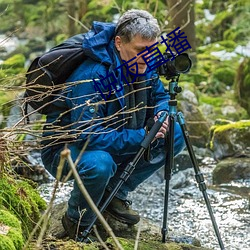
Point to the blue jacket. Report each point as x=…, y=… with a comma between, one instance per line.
x=89, y=116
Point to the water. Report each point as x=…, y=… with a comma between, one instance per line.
x=188, y=215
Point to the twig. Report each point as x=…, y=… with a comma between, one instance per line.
x=99, y=238
x=77, y=21
x=66, y=154
x=137, y=236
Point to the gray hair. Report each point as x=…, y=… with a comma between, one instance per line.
x=137, y=22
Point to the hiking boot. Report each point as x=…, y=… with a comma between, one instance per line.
x=121, y=211
x=75, y=231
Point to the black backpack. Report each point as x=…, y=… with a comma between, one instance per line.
x=48, y=73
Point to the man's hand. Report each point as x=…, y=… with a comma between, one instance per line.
x=164, y=128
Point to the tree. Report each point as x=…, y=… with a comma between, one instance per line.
x=182, y=14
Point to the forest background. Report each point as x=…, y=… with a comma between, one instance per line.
x=216, y=30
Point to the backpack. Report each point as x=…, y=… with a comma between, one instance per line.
x=48, y=73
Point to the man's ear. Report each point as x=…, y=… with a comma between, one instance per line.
x=118, y=43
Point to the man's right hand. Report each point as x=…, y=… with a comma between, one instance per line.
x=164, y=128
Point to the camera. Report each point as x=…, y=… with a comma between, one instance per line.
x=175, y=65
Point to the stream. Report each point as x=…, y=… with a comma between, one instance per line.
x=187, y=212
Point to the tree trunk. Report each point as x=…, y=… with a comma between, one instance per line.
x=83, y=7
x=182, y=14
x=72, y=13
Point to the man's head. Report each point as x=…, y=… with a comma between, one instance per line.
x=135, y=30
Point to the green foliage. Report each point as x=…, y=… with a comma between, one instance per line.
x=230, y=23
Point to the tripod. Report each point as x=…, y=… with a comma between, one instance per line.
x=129, y=169
x=173, y=90
x=169, y=163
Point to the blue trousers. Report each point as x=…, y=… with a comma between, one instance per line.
x=100, y=170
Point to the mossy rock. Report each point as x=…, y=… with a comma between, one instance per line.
x=128, y=244
x=232, y=139
x=231, y=169
x=22, y=200
x=219, y=107
x=10, y=231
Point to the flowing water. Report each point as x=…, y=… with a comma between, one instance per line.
x=187, y=212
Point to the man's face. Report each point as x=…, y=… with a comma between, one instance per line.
x=131, y=49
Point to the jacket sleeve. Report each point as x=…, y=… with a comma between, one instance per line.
x=88, y=121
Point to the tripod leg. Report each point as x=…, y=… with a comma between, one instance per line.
x=168, y=173
x=199, y=176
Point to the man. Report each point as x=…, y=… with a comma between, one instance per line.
x=108, y=101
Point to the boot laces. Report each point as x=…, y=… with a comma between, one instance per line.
x=127, y=203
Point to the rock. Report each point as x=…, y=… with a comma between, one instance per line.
x=229, y=140
x=231, y=169
x=197, y=125
x=149, y=238
x=181, y=179
x=188, y=95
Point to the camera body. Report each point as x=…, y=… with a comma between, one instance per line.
x=174, y=65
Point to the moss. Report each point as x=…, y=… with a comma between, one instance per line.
x=9, y=219
x=212, y=100
x=22, y=200
x=229, y=45
x=17, y=61
x=13, y=239
x=6, y=243
x=13, y=71
x=236, y=125
x=16, y=237
x=224, y=75
x=128, y=244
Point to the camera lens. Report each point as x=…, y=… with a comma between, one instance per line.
x=182, y=63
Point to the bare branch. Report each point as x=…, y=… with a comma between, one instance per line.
x=66, y=154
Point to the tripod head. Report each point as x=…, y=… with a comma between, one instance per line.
x=174, y=89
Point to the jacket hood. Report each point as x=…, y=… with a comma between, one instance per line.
x=98, y=42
